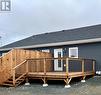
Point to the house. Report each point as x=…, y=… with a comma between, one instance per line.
x=84, y=42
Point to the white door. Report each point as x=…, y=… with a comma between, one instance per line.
x=58, y=64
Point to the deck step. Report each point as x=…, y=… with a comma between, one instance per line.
x=8, y=81
x=21, y=79
x=6, y=84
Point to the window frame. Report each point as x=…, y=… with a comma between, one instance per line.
x=73, y=48
x=46, y=50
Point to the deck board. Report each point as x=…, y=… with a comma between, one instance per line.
x=58, y=74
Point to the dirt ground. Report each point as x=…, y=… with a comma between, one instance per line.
x=92, y=86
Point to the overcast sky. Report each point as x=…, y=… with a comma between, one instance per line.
x=30, y=17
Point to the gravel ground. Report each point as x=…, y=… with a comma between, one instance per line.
x=92, y=86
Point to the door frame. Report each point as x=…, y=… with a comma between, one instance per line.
x=56, y=61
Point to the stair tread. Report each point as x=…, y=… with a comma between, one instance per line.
x=9, y=81
x=6, y=84
x=21, y=79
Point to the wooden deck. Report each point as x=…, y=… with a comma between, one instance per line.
x=58, y=76
x=19, y=65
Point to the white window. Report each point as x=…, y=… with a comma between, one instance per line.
x=73, y=52
x=45, y=50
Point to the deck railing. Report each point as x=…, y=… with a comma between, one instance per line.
x=68, y=65
x=5, y=67
x=46, y=65
x=19, y=71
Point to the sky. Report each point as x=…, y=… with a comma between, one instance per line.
x=31, y=17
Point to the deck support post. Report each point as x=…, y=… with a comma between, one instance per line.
x=83, y=72
x=45, y=84
x=44, y=79
x=27, y=82
x=83, y=79
x=67, y=81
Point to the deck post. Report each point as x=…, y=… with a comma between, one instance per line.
x=44, y=79
x=83, y=67
x=45, y=84
x=14, y=77
x=94, y=66
x=11, y=62
x=37, y=64
x=27, y=82
x=67, y=68
x=27, y=66
x=44, y=66
x=67, y=81
x=83, y=74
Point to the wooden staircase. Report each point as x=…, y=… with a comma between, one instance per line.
x=9, y=82
x=9, y=73
x=14, y=65
x=12, y=78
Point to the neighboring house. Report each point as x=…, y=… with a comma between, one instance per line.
x=82, y=42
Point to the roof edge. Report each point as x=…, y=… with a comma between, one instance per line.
x=57, y=44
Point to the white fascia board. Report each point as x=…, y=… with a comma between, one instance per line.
x=58, y=44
